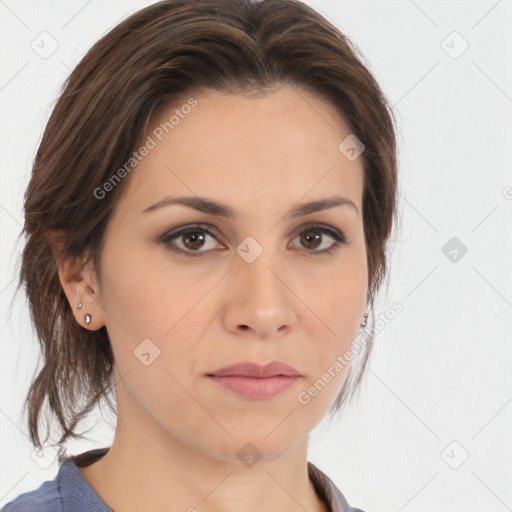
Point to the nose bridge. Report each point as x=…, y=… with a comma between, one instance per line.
x=259, y=299
x=257, y=266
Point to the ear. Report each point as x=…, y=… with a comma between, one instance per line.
x=79, y=283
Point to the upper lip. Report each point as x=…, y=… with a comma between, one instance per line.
x=249, y=369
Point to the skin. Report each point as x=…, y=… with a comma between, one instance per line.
x=178, y=433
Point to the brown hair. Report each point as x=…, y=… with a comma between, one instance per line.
x=142, y=65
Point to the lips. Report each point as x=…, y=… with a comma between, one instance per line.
x=254, y=381
x=249, y=369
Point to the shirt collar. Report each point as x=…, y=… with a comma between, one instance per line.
x=327, y=490
x=75, y=490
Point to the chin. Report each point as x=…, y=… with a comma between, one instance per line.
x=253, y=447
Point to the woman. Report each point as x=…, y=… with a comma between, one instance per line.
x=206, y=227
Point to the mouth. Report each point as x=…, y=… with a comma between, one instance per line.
x=254, y=381
x=250, y=369
x=256, y=388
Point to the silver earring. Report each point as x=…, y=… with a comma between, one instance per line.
x=87, y=317
x=365, y=322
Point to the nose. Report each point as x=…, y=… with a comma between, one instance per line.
x=260, y=301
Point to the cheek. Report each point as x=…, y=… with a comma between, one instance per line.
x=145, y=292
x=154, y=311
x=337, y=297
x=336, y=307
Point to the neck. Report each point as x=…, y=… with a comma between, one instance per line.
x=157, y=472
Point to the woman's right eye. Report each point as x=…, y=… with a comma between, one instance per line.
x=191, y=238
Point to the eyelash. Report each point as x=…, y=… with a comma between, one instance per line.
x=338, y=236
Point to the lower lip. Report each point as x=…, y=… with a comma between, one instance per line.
x=255, y=387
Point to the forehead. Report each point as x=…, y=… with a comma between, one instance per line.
x=246, y=148
x=285, y=115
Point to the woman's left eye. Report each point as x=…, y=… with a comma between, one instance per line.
x=192, y=238
x=313, y=236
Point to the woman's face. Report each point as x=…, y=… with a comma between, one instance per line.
x=259, y=286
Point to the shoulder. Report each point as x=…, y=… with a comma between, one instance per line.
x=68, y=491
x=45, y=498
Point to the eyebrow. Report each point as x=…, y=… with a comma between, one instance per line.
x=212, y=207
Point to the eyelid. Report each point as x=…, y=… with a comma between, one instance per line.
x=336, y=234
x=322, y=227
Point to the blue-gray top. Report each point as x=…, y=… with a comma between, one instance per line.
x=69, y=491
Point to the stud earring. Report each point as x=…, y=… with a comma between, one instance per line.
x=365, y=322
x=87, y=317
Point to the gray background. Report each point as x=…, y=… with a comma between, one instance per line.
x=431, y=430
